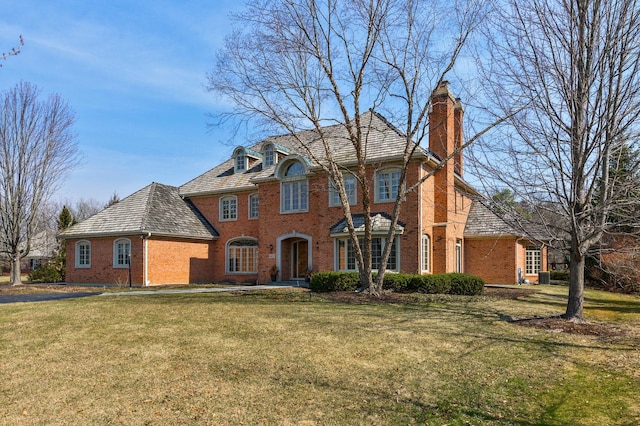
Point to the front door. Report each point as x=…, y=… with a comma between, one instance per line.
x=299, y=259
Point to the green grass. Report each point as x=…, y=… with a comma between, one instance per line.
x=284, y=357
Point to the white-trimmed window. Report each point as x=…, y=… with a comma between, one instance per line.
x=349, y=187
x=294, y=189
x=426, y=253
x=83, y=254
x=533, y=257
x=239, y=160
x=228, y=208
x=269, y=155
x=242, y=256
x=121, y=253
x=254, y=204
x=459, y=255
x=387, y=183
x=346, y=260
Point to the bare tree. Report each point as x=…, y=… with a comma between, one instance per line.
x=295, y=65
x=573, y=67
x=13, y=52
x=37, y=149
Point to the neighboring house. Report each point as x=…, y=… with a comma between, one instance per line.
x=41, y=250
x=271, y=205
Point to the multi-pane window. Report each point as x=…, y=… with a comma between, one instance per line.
x=294, y=191
x=426, y=253
x=346, y=259
x=121, y=253
x=241, y=161
x=83, y=254
x=228, y=208
x=269, y=156
x=242, y=256
x=254, y=203
x=350, y=189
x=532, y=260
x=387, y=184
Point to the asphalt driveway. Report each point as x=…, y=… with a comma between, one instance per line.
x=21, y=298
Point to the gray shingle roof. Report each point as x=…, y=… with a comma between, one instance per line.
x=484, y=222
x=157, y=209
x=384, y=142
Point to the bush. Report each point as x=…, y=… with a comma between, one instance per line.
x=466, y=284
x=431, y=284
x=560, y=275
x=46, y=273
x=396, y=282
x=462, y=284
x=334, y=281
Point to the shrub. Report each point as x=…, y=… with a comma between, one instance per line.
x=396, y=282
x=334, y=281
x=46, y=273
x=431, y=284
x=466, y=284
x=560, y=275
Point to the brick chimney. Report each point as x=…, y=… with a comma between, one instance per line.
x=445, y=135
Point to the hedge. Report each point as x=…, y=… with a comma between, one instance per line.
x=559, y=275
x=452, y=283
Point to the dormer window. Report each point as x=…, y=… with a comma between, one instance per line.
x=240, y=160
x=269, y=155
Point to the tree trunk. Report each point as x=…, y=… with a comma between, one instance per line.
x=576, y=286
x=15, y=270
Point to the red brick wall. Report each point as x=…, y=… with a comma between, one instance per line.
x=497, y=260
x=179, y=262
x=102, y=270
x=492, y=259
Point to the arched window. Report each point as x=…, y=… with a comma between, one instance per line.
x=242, y=256
x=83, y=254
x=228, y=208
x=269, y=155
x=240, y=160
x=426, y=253
x=121, y=253
x=294, y=189
x=387, y=183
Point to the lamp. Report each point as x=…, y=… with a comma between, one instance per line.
x=270, y=247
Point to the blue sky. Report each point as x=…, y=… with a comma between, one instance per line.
x=134, y=72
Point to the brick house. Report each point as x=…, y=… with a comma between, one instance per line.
x=270, y=205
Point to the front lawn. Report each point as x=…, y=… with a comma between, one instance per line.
x=288, y=357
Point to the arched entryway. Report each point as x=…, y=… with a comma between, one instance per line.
x=294, y=255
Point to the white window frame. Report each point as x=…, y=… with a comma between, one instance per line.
x=533, y=260
x=350, y=262
x=269, y=155
x=383, y=197
x=228, y=208
x=459, y=258
x=349, y=186
x=294, y=190
x=125, y=242
x=83, y=257
x=426, y=253
x=254, y=206
x=240, y=161
x=239, y=253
